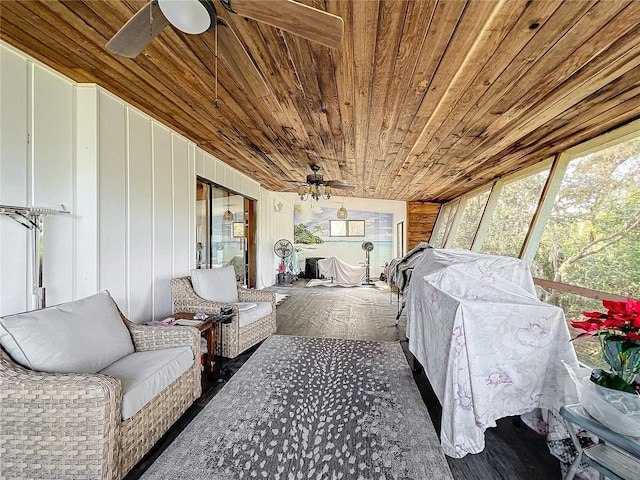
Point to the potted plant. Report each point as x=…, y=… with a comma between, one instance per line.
x=613, y=397
x=619, y=332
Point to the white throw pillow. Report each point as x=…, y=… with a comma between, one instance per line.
x=83, y=336
x=216, y=284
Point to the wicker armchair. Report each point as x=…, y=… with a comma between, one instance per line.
x=235, y=339
x=69, y=426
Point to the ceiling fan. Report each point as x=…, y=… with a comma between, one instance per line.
x=200, y=16
x=317, y=187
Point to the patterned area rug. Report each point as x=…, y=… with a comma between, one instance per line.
x=311, y=408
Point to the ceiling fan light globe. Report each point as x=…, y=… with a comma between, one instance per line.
x=188, y=16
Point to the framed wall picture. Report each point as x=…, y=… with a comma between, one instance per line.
x=238, y=229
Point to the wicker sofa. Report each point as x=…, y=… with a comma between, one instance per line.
x=74, y=424
x=238, y=335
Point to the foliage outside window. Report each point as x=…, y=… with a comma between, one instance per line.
x=592, y=238
x=346, y=228
x=513, y=214
x=445, y=220
x=471, y=215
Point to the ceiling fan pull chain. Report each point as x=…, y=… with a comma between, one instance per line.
x=151, y=20
x=215, y=102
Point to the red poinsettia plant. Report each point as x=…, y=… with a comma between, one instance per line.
x=621, y=319
x=619, y=332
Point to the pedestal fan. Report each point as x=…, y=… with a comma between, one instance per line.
x=283, y=248
x=367, y=247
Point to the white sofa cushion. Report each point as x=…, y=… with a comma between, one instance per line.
x=82, y=336
x=261, y=310
x=145, y=374
x=216, y=284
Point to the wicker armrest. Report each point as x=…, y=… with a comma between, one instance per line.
x=246, y=295
x=74, y=418
x=186, y=300
x=146, y=337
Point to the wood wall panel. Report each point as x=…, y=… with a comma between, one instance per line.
x=140, y=218
x=128, y=181
x=112, y=147
x=421, y=218
x=14, y=287
x=182, y=262
x=162, y=224
x=85, y=208
x=53, y=152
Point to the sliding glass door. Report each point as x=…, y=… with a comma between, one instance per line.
x=224, y=231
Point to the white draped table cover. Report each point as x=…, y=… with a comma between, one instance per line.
x=342, y=273
x=489, y=347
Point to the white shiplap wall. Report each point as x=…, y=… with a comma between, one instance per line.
x=129, y=182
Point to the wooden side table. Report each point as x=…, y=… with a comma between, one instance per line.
x=209, y=331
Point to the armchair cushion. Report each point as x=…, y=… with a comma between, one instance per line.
x=217, y=284
x=145, y=374
x=83, y=336
x=248, y=316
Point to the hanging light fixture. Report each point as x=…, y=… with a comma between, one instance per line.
x=342, y=213
x=228, y=215
x=316, y=187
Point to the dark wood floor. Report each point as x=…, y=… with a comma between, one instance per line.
x=512, y=452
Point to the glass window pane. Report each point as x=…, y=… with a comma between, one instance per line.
x=338, y=228
x=515, y=209
x=203, y=226
x=470, y=220
x=587, y=348
x=438, y=231
x=356, y=228
x=452, y=213
x=592, y=238
x=445, y=216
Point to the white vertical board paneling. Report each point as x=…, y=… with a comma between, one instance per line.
x=272, y=226
x=227, y=175
x=208, y=170
x=236, y=180
x=85, y=209
x=181, y=207
x=140, y=216
x=162, y=221
x=191, y=186
x=53, y=164
x=15, y=291
x=200, y=159
x=218, y=172
x=112, y=198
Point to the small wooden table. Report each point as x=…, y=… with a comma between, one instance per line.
x=209, y=331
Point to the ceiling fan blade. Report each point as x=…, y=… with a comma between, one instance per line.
x=339, y=184
x=138, y=32
x=238, y=60
x=297, y=18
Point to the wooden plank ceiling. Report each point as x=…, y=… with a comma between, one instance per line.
x=423, y=100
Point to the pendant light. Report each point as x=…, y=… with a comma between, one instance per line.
x=228, y=215
x=342, y=213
